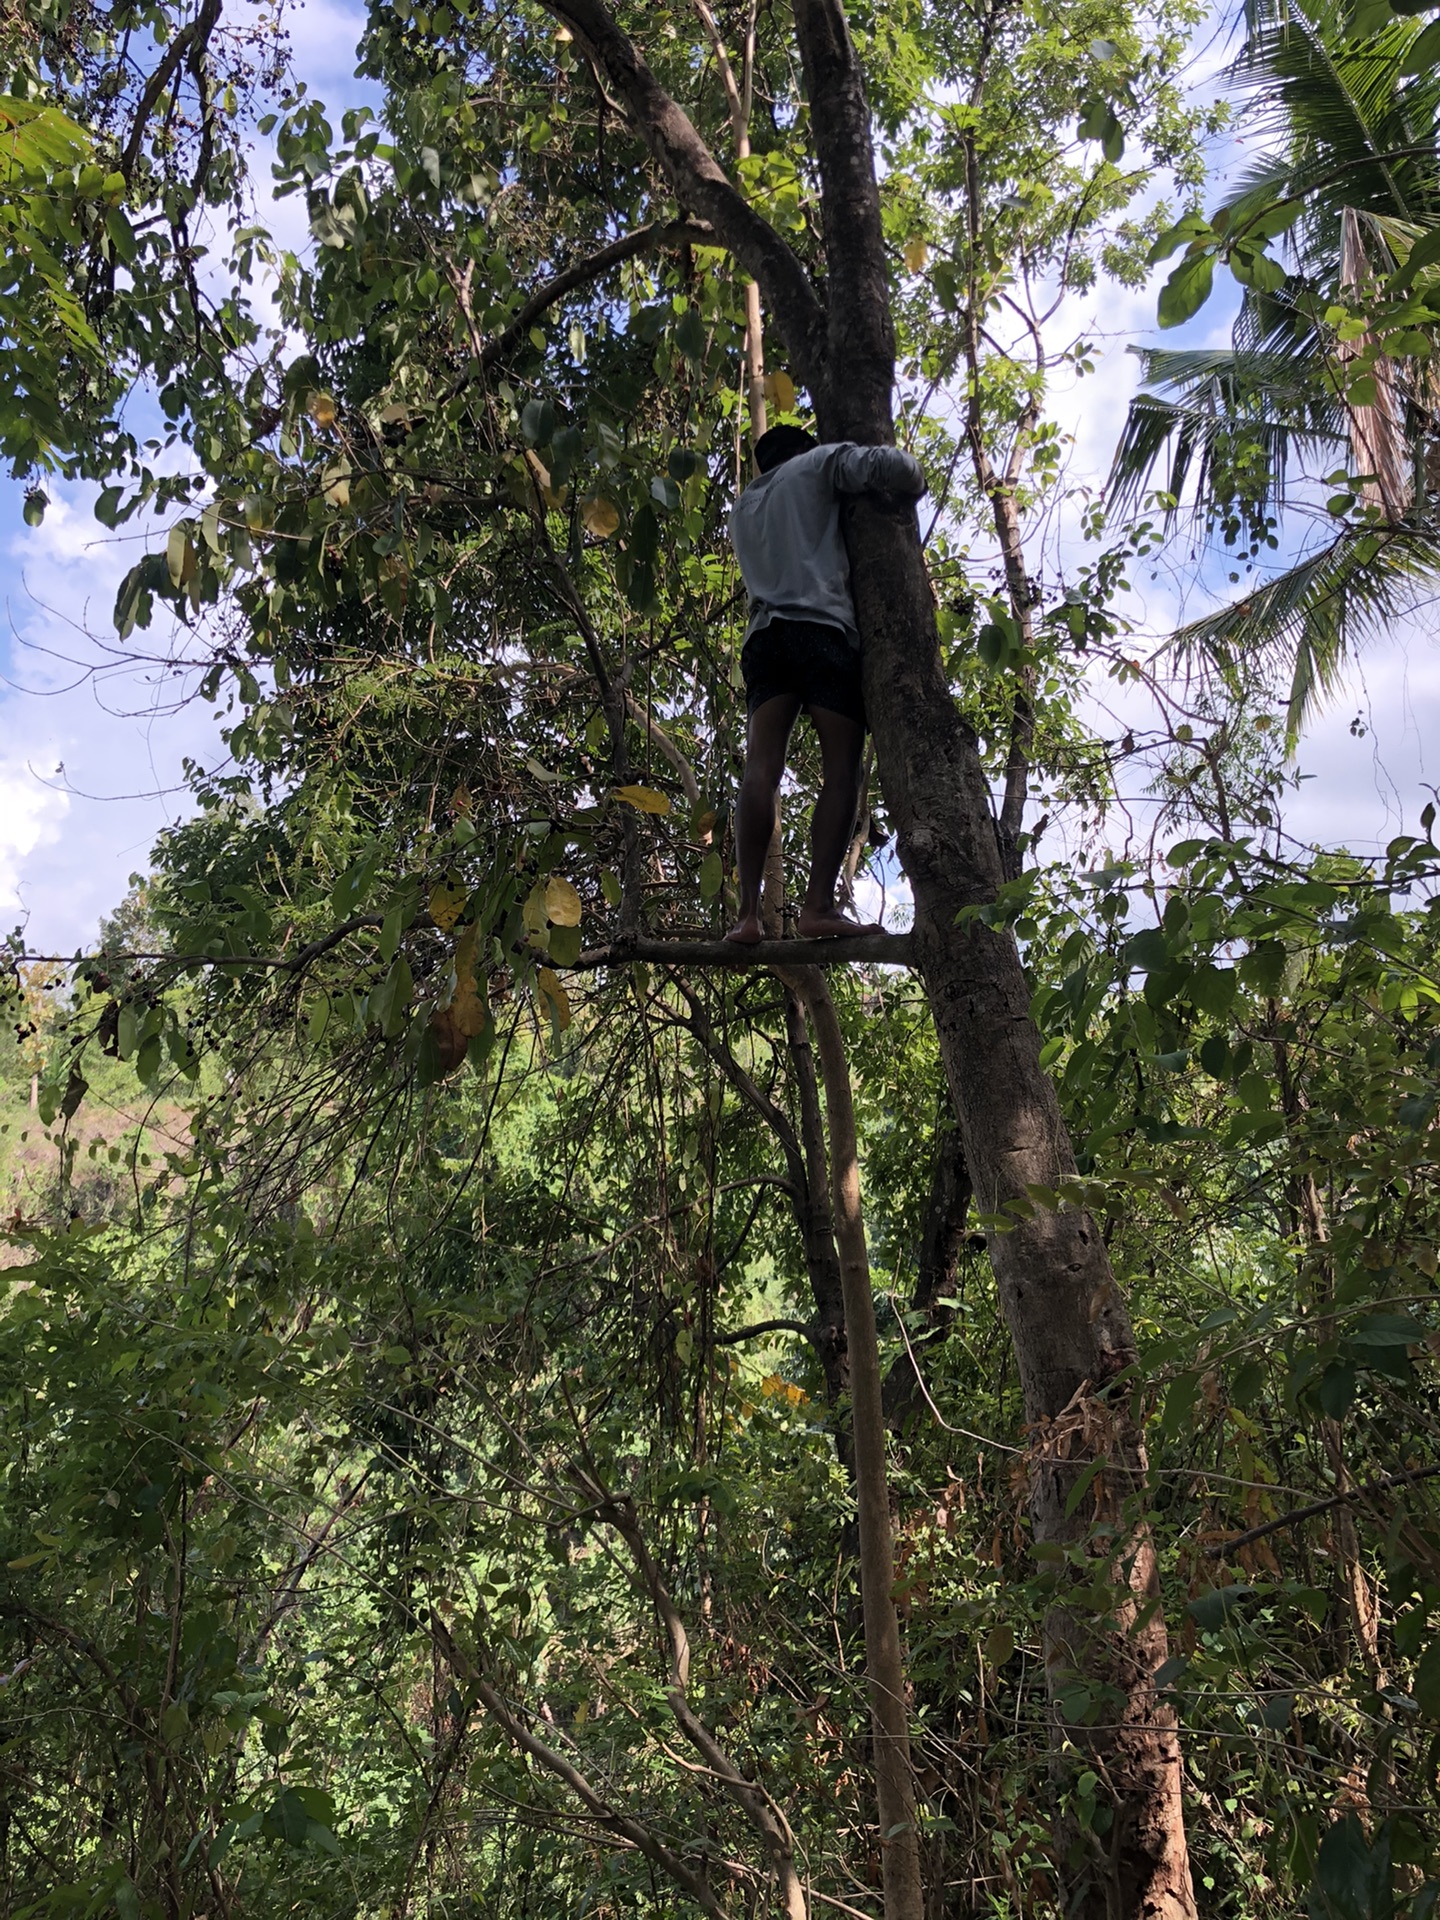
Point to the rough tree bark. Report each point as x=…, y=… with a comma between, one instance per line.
x=1067, y=1318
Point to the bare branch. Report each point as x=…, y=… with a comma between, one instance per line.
x=880, y=949
x=1223, y=1548
x=700, y=182
x=762, y=1812
x=580, y=273
x=624, y=1824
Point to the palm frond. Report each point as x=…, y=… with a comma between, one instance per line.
x=1311, y=617
x=1270, y=398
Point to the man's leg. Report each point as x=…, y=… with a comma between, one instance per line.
x=842, y=747
x=767, y=737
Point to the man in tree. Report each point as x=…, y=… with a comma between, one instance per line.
x=802, y=651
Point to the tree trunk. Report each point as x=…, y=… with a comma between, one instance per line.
x=884, y=1661
x=1067, y=1318
x=1071, y=1331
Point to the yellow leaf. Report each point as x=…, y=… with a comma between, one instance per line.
x=446, y=904
x=600, y=516
x=533, y=915
x=321, y=409
x=562, y=903
x=563, y=34
x=461, y=803
x=645, y=798
x=468, y=1010
x=549, y=984
x=917, y=254
x=336, y=483
x=554, y=497
x=780, y=391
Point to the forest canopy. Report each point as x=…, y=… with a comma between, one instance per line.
x=518, y=1408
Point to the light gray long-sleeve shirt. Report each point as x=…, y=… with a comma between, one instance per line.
x=785, y=529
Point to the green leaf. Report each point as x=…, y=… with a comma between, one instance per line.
x=1347, y=1873
x=1424, y=51
x=1192, y=226
x=712, y=875
x=293, y=1820
x=690, y=334
x=1246, y=1385
x=1211, y=1610
x=1426, y=250
x=1187, y=289
x=1337, y=1389
x=1212, y=989
x=1385, y=1330
x=565, y=945
x=537, y=423
x=1083, y=1484
x=1254, y=268
x=1098, y=122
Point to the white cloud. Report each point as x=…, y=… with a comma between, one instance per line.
x=94, y=732
x=32, y=816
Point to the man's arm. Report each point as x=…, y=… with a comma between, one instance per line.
x=876, y=470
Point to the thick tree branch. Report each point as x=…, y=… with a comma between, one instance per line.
x=881, y=949
x=189, y=42
x=580, y=273
x=884, y=1660
x=762, y=1327
x=861, y=331
x=700, y=182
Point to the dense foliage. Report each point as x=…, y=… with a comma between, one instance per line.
x=417, y=1307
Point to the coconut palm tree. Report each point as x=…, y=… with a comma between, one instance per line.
x=1333, y=371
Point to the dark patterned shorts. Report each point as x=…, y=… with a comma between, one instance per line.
x=805, y=658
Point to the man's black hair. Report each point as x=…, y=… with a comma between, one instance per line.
x=780, y=444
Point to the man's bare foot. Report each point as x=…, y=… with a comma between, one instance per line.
x=829, y=923
x=747, y=931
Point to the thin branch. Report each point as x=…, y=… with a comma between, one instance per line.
x=752, y=1799
x=761, y=1327
x=1297, y=1514
x=639, y=1836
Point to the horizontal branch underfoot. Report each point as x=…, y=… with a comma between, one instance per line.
x=881, y=949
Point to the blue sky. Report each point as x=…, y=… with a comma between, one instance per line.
x=94, y=736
